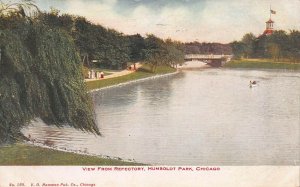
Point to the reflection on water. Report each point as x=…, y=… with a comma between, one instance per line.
x=203, y=117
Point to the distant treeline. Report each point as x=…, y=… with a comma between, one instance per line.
x=208, y=48
x=280, y=46
x=111, y=49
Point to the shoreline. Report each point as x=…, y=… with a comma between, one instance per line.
x=261, y=64
x=48, y=155
x=41, y=145
x=154, y=76
x=143, y=72
x=135, y=81
x=32, y=146
x=79, y=152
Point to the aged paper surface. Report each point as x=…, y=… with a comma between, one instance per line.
x=259, y=149
x=246, y=176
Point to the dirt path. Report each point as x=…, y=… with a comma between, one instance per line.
x=116, y=74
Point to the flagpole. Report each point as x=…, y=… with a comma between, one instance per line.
x=270, y=12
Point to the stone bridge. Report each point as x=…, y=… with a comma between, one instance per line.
x=212, y=59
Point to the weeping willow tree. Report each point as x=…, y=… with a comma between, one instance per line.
x=40, y=77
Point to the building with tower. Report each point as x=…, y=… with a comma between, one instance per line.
x=269, y=27
x=270, y=24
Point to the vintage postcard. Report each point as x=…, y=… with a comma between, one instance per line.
x=149, y=93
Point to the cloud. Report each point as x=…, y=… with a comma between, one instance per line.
x=186, y=20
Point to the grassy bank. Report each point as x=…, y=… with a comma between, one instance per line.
x=22, y=154
x=142, y=72
x=262, y=63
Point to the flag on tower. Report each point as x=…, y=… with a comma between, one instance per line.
x=273, y=11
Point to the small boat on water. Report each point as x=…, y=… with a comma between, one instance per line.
x=252, y=84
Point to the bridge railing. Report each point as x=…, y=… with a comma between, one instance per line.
x=211, y=56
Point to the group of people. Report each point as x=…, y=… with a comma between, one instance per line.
x=132, y=67
x=95, y=74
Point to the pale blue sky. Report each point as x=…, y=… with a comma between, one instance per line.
x=185, y=20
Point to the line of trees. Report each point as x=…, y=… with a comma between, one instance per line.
x=279, y=46
x=207, y=48
x=98, y=46
x=109, y=48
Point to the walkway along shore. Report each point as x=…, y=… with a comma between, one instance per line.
x=127, y=77
x=186, y=66
x=155, y=76
x=117, y=74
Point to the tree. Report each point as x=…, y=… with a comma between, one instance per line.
x=248, y=47
x=238, y=49
x=41, y=78
x=279, y=42
x=16, y=14
x=274, y=50
x=137, y=46
x=260, y=49
x=23, y=8
x=160, y=52
x=294, y=43
x=84, y=36
x=175, y=53
x=154, y=52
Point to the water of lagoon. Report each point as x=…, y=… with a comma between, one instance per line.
x=196, y=117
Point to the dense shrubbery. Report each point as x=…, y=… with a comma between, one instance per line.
x=280, y=46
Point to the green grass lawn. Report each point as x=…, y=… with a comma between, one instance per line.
x=23, y=154
x=142, y=72
x=262, y=63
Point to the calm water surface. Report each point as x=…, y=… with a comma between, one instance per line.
x=199, y=117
